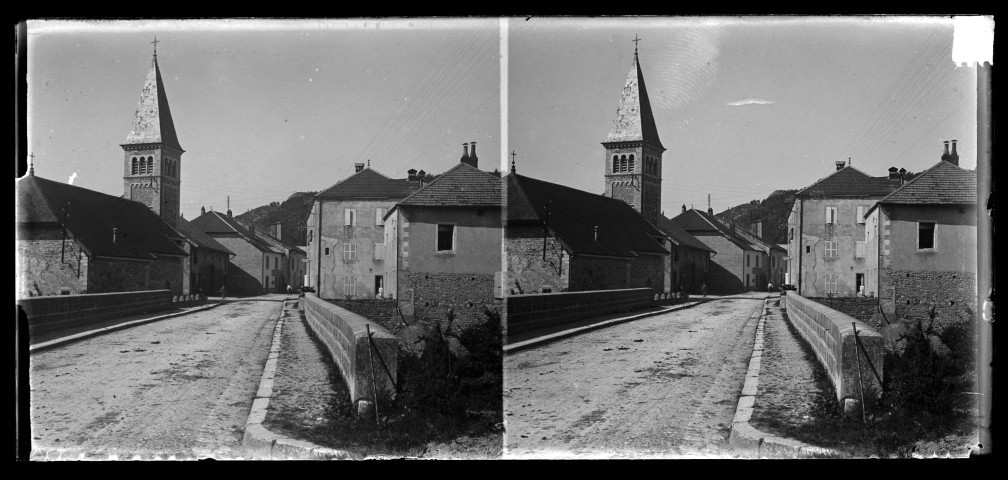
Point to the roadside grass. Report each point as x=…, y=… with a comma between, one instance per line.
x=926, y=409
x=457, y=412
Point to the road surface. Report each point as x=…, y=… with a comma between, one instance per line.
x=176, y=388
x=661, y=386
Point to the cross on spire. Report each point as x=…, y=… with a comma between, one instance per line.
x=635, y=41
x=31, y=164
x=513, y=160
x=155, y=42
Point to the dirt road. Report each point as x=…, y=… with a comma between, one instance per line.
x=662, y=386
x=178, y=388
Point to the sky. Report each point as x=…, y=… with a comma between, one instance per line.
x=265, y=108
x=744, y=106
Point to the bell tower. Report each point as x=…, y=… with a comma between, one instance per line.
x=633, y=152
x=152, y=164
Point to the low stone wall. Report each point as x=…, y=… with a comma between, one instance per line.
x=529, y=312
x=861, y=308
x=831, y=335
x=344, y=334
x=58, y=312
x=378, y=310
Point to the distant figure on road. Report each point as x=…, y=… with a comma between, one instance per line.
x=288, y=289
x=769, y=287
x=703, y=289
x=223, y=292
x=381, y=292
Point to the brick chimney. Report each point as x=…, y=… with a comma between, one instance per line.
x=893, y=173
x=465, y=153
x=840, y=164
x=954, y=156
x=411, y=175
x=945, y=154
x=358, y=167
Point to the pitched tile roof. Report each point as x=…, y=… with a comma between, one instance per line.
x=215, y=223
x=942, y=184
x=368, y=183
x=699, y=222
x=139, y=232
x=755, y=241
x=679, y=235
x=849, y=182
x=202, y=240
x=461, y=186
x=573, y=215
x=153, y=120
x=634, y=118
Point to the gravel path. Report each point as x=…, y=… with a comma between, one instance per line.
x=662, y=386
x=178, y=388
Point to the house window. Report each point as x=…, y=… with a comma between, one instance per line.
x=925, y=235
x=379, y=216
x=327, y=251
x=860, y=214
x=150, y=164
x=747, y=261
x=276, y=263
x=349, y=285
x=445, y=238
x=135, y=169
x=757, y=261
x=349, y=251
x=859, y=249
x=808, y=248
x=831, y=283
x=350, y=217
x=831, y=215
x=831, y=249
x=630, y=168
x=615, y=164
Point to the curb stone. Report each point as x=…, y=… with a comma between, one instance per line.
x=746, y=439
x=59, y=342
x=259, y=440
x=535, y=342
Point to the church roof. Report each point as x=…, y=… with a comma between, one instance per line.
x=153, y=121
x=634, y=119
x=574, y=214
x=368, y=183
x=461, y=186
x=139, y=232
x=679, y=235
x=699, y=222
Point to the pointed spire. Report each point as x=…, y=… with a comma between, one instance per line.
x=634, y=118
x=153, y=122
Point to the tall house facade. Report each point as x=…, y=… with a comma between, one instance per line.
x=633, y=152
x=152, y=161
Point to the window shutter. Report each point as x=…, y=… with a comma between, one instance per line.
x=859, y=250
x=860, y=214
x=346, y=217
x=379, y=214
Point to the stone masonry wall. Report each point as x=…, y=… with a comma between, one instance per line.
x=46, y=314
x=861, y=308
x=40, y=271
x=433, y=294
x=530, y=312
x=953, y=294
x=596, y=273
x=382, y=311
x=527, y=271
x=648, y=271
x=108, y=275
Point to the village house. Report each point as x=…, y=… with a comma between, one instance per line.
x=71, y=240
x=560, y=239
x=294, y=258
x=346, y=233
x=208, y=259
x=736, y=262
x=689, y=262
x=826, y=230
x=256, y=266
x=922, y=243
x=443, y=246
x=771, y=261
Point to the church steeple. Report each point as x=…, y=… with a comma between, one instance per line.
x=152, y=164
x=633, y=166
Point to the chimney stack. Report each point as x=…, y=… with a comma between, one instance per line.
x=421, y=176
x=202, y=210
x=411, y=175
x=840, y=164
x=902, y=175
x=893, y=173
x=684, y=208
x=473, y=159
x=954, y=156
x=710, y=211
x=229, y=206
x=465, y=153
x=945, y=154
x=358, y=167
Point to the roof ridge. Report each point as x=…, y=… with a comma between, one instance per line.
x=45, y=198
